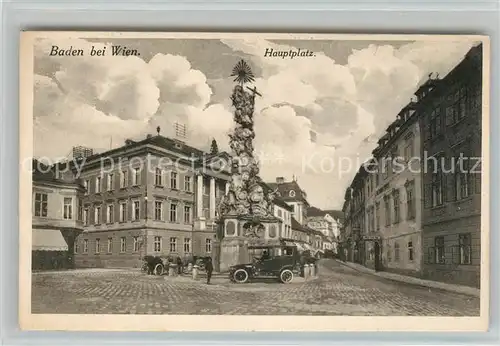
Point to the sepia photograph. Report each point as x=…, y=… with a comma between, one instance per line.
x=209, y=181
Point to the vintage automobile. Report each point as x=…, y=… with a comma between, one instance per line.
x=274, y=261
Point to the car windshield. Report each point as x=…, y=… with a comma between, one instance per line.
x=269, y=252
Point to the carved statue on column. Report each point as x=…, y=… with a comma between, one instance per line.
x=246, y=196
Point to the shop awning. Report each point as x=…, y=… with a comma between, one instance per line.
x=300, y=246
x=308, y=247
x=48, y=240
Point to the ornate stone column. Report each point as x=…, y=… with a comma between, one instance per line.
x=199, y=196
x=212, y=198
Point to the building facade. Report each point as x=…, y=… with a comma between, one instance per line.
x=451, y=122
x=327, y=222
x=291, y=193
x=414, y=208
x=394, y=196
x=57, y=218
x=156, y=197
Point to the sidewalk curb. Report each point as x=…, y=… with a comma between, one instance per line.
x=466, y=290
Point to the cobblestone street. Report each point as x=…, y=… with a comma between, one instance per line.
x=338, y=290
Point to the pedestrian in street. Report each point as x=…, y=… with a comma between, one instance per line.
x=209, y=268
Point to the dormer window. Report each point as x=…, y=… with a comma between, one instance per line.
x=291, y=193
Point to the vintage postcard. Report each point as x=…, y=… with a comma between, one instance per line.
x=254, y=182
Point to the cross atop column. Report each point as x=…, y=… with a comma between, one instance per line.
x=254, y=91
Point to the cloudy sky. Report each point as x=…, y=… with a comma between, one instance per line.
x=348, y=93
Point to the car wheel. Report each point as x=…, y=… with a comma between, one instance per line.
x=158, y=269
x=240, y=276
x=286, y=276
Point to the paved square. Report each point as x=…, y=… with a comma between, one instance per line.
x=338, y=290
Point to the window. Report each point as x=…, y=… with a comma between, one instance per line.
x=395, y=201
x=110, y=217
x=41, y=204
x=136, y=243
x=173, y=212
x=158, y=210
x=97, y=245
x=111, y=181
x=435, y=123
x=437, y=186
x=291, y=193
x=136, y=177
x=110, y=245
x=389, y=253
x=386, y=161
x=173, y=244
x=206, y=187
x=123, y=211
x=410, y=250
x=464, y=241
x=98, y=183
x=123, y=244
x=68, y=208
x=80, y=210
x=75, y=247
x=187, y=214
x=463, y=183
x=136, y=210
x=85, y=245
x=396, y=252
x=377, y=215
x=394, y=158
x=439, y=249
x=86, y=216
x=123, y=179
x=208, y=245
x=457, y=111
x=187, y=183
x=97, y=215
x=410, y=200
x=158, y=177
x=86, y=186
x=408, y=150
x=157, y=244
x=187, y=244
x=387, y=211
x=173, y=180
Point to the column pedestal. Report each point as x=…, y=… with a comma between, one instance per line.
x=234, y=246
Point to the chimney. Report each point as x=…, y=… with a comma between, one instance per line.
x=280, y=180
x=149, y=136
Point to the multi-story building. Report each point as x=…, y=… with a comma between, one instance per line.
x=451, y=121
x=394, y=194
x=327, y=222
x=420, y=194
x=157, y=196
x=57, y=218
x=284, y=212
x=291, y=193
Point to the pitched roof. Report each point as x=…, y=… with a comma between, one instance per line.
x=302, y=228
x=277, y=200
x=284, y=191
x=336, y=214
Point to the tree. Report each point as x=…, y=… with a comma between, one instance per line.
x=214, y=149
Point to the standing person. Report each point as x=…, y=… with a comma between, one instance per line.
x=179, y=265
x=209, y=268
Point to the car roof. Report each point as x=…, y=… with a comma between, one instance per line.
x=269, y=246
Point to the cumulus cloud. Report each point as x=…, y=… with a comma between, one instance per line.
x=345, y=104
x=104, y=100
x=96, y=99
